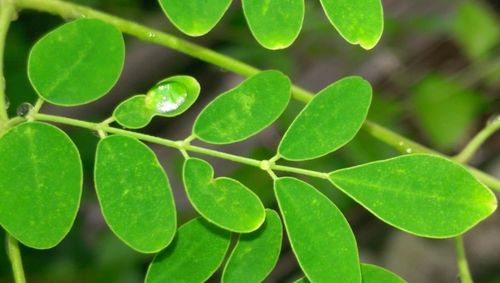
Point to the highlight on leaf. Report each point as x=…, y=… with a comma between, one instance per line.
x=168, y=98
x=224, y=202
x=274, y=24
x=40, y=197
x=421, y=194
x=244, y=110
x=319, y=234
x=195, y=254
x=77, y=63
x=358, y=21
x=195, y=17
x=129, y=179
x=329, y=121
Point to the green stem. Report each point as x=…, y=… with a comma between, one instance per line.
x=180, y=145
x=463, y=266
x=15, y=259
x=7, y=12
x=477, y=141
x=70, y=10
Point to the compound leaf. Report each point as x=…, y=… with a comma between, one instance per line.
x=40, y=184
x=134, y=194
x=422, y=194
x=132, y=113
x=77, y=63
x=245, y=110
x=256, y=253
x=274, y=23
x=375, y=274
x=320, y=236
x=358, y=21
x=223, y=201
x=195, y=254
x=195, y=17
x=329, y=121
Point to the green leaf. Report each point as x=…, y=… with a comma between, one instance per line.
x=476, y=28
x=134, y=194
x=195, y=254
x=319, y=234
x=245, y=110
x=41, y=184
x=274, y=23
x=371, y=274
x=329, y=121
x=375, y=274
x=223, y=201
x=422, y=194
x=195, y=17
x=445, y=110
x=168, y=98
x=132, y=113
x=77, y=63
x=358, y=21
x=256, y=253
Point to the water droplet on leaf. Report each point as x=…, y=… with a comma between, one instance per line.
x=166, y=97
x=151, y=34
x=24, y=109
x=409, y=150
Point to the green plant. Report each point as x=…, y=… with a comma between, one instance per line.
x=423, y=193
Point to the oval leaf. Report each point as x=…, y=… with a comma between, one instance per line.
x=77, y=63
x=375, y=274
x=41, y=184
x=132, y=113
x=422, y=194
x=329, y=121
x=358, y=21
x=134, y=194
x=223, y=201
x=195, y=17
x=256, y=253
x=320, y=236
x=245, y=110
x=194, y=255
x=274, y=23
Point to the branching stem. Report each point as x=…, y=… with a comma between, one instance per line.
x=179, y=145
x=74, y=11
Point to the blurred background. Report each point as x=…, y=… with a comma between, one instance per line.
x=436, y=78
